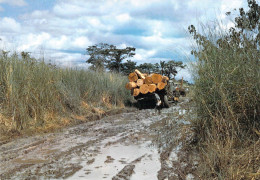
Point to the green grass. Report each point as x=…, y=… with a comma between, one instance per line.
x=30, y=88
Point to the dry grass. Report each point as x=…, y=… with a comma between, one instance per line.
x=227, y=103
x=41, y=97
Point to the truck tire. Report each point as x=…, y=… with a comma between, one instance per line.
x=140, y=105
x=166, y=102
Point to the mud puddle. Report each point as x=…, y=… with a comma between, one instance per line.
x=111, y=160
x=133, y=145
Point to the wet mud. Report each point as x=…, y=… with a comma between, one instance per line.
x=141, y=144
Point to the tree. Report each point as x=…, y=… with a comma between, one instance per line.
x=128, y=67
x=108, y=56
x=98, y=56
x=169, y=68
x=117, y=56
x=156, y=68
x=146, y=67
x=172, y=66
x=162, y=67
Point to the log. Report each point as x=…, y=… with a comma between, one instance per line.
x=130, y=85
x=161, y=85
x=132, y=77
x=136, y=92
x=139, y=74
x=152, y=88
x=148, y=80
x=139, y=82
x=165, y=79
x=156, y=78
x=144, y=89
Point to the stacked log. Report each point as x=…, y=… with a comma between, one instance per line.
x=136, y=92
x=132, y=77
x=161, y=85
x=152, y=88
x=130, y=85
x=140, y=83
x=148, y=80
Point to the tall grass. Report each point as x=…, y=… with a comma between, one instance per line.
x=29, y=89
x=227, y=99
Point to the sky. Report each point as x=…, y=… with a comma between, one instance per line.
x=61, y=30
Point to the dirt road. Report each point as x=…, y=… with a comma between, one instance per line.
x=143, y=144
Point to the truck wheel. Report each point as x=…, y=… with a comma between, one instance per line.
x=166, y=102
x=140, y=105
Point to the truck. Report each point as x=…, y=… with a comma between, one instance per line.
x=152, y=90
x=160, y=98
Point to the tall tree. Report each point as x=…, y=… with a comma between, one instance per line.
x=172, y=66
x=162, y=67
x=117, y=56
x=128, y=67
x=146, y=67
x=108, y=56
x=98, y=56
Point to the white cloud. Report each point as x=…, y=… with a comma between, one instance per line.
x=68, y=60
x=30, y=42
x=156, y=28
x=59, y=42
x=123, y=17
x=143, y=55
x=9, y=25
x=14, y=2
x=81, y=42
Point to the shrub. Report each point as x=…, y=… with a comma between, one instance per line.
x=227, y=97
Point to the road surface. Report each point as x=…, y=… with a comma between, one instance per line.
x=142, y=144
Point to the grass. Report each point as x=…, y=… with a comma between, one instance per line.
x=227, y=103
x=36, y=95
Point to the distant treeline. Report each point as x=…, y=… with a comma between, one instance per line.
x=105, y=56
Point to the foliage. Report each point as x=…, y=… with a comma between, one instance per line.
x=117, y=57
x=98, y=56
x=104, y=56
x=227, y=97
x=128, y=67
x=171, y=67
x=165, y=68
x=108, y=56
x=146, y=68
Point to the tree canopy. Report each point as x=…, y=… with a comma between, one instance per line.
x=104, y=55
x=169, y=68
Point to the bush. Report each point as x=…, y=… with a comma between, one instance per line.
x=227, y=97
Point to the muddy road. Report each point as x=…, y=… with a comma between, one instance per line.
x=137, y=145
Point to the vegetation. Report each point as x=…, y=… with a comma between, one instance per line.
x=32, y=93
x=104, y=56
x=168, y=68
x=128, y=67
x=108, y=56
x=227, y=97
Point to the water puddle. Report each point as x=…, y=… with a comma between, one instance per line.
x=112, y=159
